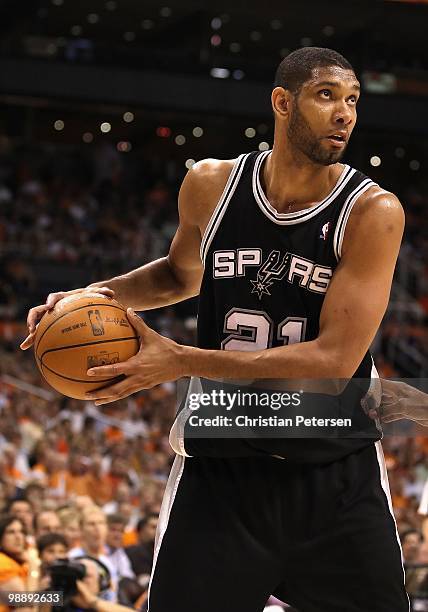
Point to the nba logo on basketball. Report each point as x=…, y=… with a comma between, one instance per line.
x=324, y=230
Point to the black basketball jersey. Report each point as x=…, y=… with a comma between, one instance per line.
x=266, y=275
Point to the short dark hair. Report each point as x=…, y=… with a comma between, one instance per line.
x=410, y=531
x=116, y=519
x=49, y=539
x=296, y=69
x=143, y=521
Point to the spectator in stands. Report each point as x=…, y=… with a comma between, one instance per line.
x=90, y=596
x=93, y=525
x=34, y=493
x=141, y=555
x=119, y=559
x=46, y=521
x=70, y=526
x=13, y=563
x=51, y=547
x=22, y=509
x=411, y=541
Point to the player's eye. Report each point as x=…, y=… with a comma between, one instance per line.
x=353, y=99
x=325, y=93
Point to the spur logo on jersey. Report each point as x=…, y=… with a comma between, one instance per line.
x=276, y=267
x=273, y=269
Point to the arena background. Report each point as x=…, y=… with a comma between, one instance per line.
x=104, y=105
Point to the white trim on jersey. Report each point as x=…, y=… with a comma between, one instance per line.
x=176, y=434
x=342, y=221
x=221, y=207
x=301, y=215
x=165, y=511
x=385, y=486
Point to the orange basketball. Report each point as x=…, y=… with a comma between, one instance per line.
x=81, y=332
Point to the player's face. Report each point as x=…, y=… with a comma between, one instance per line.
x=324, y=114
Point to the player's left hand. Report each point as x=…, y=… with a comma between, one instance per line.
x=158, y=360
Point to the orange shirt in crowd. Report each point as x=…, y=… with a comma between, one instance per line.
x=9, y=569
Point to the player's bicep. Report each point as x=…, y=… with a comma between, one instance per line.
x=359, y=291
x=183, y=257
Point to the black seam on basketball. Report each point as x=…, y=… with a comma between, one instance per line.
x=75, y=310
x=88, y=382
x=71, y=346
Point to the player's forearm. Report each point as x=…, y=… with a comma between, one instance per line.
x=303, y=360
x=151, y=286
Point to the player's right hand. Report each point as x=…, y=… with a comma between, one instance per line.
x=36, y=313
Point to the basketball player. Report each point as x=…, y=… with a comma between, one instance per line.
x=299, y=250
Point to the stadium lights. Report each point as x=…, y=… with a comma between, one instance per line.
x=105, y=127
x=59, y=125
x=189, y=163
x=250, y=132
x=220, y=73
x=88, y=137
x=414, y=164
x=180, y=139
x=124, y=146
x=163, y=131
x=375, y=161
x=197, y=132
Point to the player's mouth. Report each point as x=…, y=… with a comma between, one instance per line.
x=338, y=139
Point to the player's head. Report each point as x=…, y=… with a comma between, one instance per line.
x=314, y=99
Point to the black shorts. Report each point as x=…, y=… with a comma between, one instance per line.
x=321, y=538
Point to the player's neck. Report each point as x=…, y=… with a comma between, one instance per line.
x=292, y=184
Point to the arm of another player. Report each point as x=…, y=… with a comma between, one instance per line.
x=398, y=401
x=167, y=280
x=353, y=308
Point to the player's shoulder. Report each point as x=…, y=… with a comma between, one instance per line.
x=203, y=185
x=376, y=215
x=377, y=200
x=378, y=203
x=210, y=171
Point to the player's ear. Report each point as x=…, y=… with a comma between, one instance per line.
x=281, y=101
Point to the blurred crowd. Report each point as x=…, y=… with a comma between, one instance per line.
x=78, y=481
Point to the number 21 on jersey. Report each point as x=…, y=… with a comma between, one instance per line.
x=253, y=330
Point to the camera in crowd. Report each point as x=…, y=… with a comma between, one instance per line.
x=64, y=574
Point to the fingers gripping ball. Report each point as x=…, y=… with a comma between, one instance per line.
x=79, y=333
